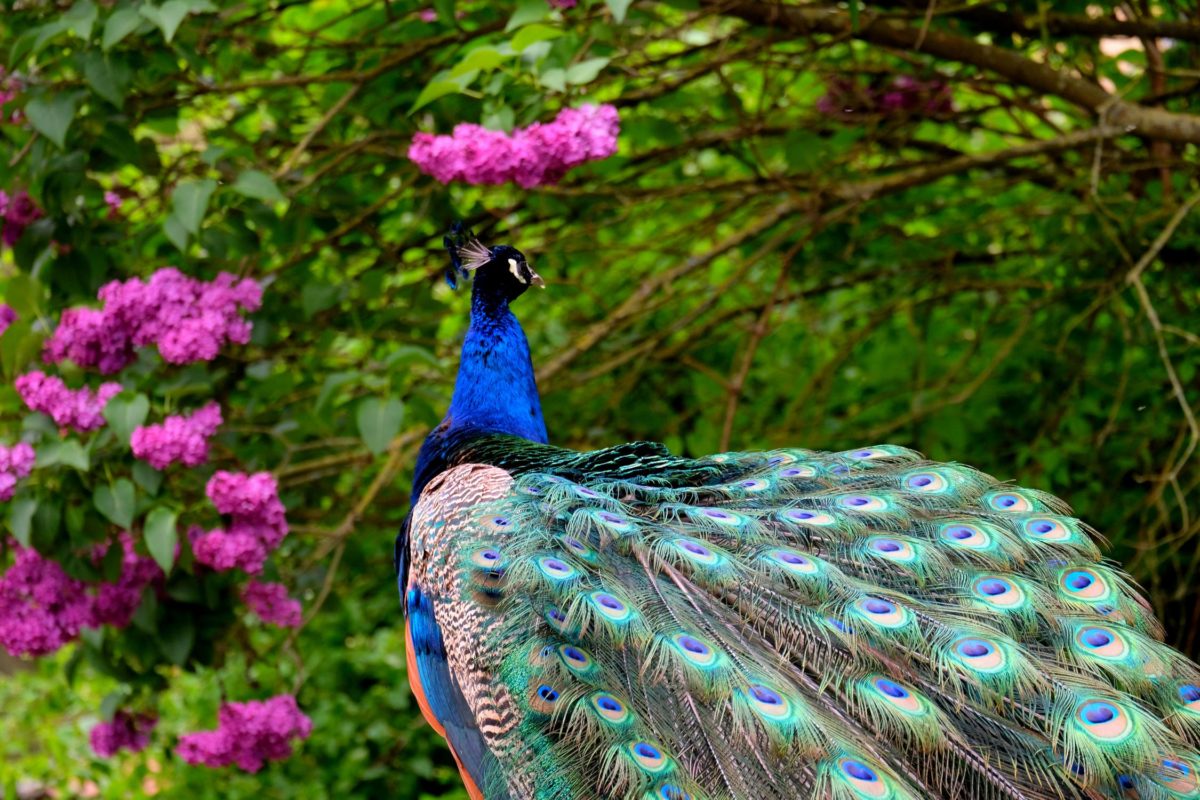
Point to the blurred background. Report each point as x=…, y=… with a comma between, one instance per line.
x=965, y=227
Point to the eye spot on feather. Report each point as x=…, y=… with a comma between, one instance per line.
x=754, y=485
x=1189, y=697
x=1008, y=501
x=865, y=780
x=578, y=548
x=488, y=558
x=695, y=651
x=1104, y=721
x=649, y=757
x=864, y=453
x=961, y=534
x=979, y=654
x=1102, y=641
x=544, y=699
x=556, y=569
x=583, y=491
x=929, y=482
x=1084, y=584
x=669, y=791
x=1046, y=529
x=610, y=607
x=805, y=516
x=557, y=619
x=1178, y=776
x=892, y=549
x=793, y=561
x=610, y=708
x=883, y=613
x=898, y=696
x=863, y=502
x=998, y=592
x=799, y=471
x=839, y=626
x=697, y=552
x=575, y=659
x=768, y=702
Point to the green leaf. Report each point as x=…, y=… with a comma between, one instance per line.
x=80, y=18
x=618, y=8
x=20, y=518
x=191, y=201
x=111, y=702
x=379, y=422
x=317, y=297
x=555, y=79
x=44, y=531
x=106, y=77
x=528, y=11
x=534, y=33
x=176, y=639
x=123, y=22
x=51, y=117
x=259, y=186
x=586, y=71
x=24, y=294
x=433, y=91
x=69, y=453
x=176, y=233
x=147, y=477
x=481, y=58
x=167, y=16
x=445, y=10
x=116, y=502
x=125, y=413
x=161, y=535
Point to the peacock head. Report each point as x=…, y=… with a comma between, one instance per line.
x=499, y=270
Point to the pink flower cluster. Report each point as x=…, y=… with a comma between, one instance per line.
x=534, y=156
x=126, y=732
x=42, y=608
x=257, y=524
x=271, y=604
x=187, y=319
x=7, y=317
x=182, y=439
x=16, y=463
x=904, y=94
x=81, y=409
x=248, y=734
x=18, y=212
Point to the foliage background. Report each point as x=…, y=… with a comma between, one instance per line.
x=1012, y=283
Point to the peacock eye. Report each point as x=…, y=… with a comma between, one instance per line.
x=515, y=269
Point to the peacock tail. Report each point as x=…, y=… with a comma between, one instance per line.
x=862, y=625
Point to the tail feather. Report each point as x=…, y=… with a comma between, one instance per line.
x=793, y=624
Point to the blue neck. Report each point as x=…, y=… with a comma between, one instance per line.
x=495, y=391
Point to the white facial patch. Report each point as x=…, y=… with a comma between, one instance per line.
x=516, y=272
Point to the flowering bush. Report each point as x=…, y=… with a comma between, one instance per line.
x=177, y=439
x=249, y=734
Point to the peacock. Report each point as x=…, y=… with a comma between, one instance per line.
x=861, y=625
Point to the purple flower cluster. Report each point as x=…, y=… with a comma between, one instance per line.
x=16, y=463
x=271, y=604
x=7, y=317
x=249, y=734
x=17, y=212
x=904, y=94
x=126, y=732
x=257, y=523
x=187, y=319
x=182, y=439
x=81, y=409
x=535, y=156
x=42, y=608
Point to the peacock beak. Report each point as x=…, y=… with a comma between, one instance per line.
x=536, y=280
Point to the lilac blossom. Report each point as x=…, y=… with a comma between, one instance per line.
x=115, y=603
x=16, y=463
x=257, y=524
x=248, y=734
x=7, y=317
x=126, y=732
x=18, y=211
x=182, y=439
x=41, y=607
x=80, y=409
x=270, y=603
x=535, y=156
x=186, y=319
